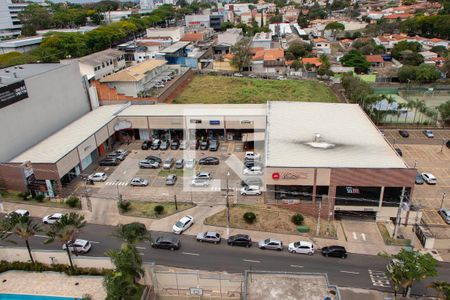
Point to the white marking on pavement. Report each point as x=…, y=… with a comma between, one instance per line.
x=140, y=253
x=142, y=248
x=41, y=236
x=107, y=168
x=379, y=278
x=350, y=272
x=252, y=261
x=124, y=172
x=94, y=242
x=188, y=253
x=355, y=237
x=296, y=266
x=363, y=236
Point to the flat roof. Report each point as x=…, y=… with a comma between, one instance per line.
x=328, y=135
x=175, y=47
x=194, y=110
x=58, y=145
x=134, y=73
x=101, y=56
x=20, y=72
x=33, y=40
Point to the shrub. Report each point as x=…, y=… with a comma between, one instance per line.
x=297, y=219
x=73, y=201
x=124, y=206
x=39, y=267
x=39, y=198
x=249, y=217
x=24, y=195
x=159, y=209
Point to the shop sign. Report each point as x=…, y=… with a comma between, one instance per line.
x=214, y=122
x=13, y=93
x=289, y=175
x=124, y=124
x=246, y=122
x=195, y=121
x=352, y=190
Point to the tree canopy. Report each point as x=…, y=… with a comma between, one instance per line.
x=242, y=57
x=357, y=60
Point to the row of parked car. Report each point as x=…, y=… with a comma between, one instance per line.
x=161, y=82
x=154, y=162
x=114, y=158
x=161, y=144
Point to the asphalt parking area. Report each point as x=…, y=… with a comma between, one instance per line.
x=416, y=136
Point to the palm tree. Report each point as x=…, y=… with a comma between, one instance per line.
x=21, y=226
x=132, y=234
x=418, y=105
x=442, y=287
x=65, y=231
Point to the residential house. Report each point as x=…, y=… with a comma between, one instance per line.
x=322, y=45
x=395, y=17
x=100, y=64
x=135, y=80
x=262, y=40
x=174, y=33
x=228, y=39
x=224, y=63
x=268, y=61
x=290, y=14
x=376, y=61
x=247, y=18
x=193, y=37
x=428, y=55
x=238, y=8
x=311, y=63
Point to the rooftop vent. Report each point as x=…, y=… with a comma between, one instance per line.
x=319, y=143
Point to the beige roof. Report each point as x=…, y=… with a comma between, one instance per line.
x=56, y=146
x=98, y=58
x=325, y=135
x=135, y=73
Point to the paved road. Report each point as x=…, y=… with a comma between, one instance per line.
x=362, y=271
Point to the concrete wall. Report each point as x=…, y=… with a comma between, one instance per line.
x=56, y=99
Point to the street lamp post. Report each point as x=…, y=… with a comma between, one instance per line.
x=228, y=208
x=442, y=146
x=119, y=198
x=442, y=200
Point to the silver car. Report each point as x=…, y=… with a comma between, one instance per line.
x=148, y=164
x=445, y=214
x=210, y=237
x=168, y=163
x=171, y=179
x=270, y=244
x=179, y=163
x=137, y=181
x=190, y=163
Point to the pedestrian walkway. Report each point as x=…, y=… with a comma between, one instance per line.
x=122, y=183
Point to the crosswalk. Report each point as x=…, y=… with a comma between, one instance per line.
x=218, y=188
x=122, y=183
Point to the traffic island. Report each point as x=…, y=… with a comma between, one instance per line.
x=154, y=210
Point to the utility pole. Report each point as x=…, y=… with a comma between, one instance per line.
x=399, y=212
x=442, y=201
x=442, y=146
x=175, y=200
x=228, y=208
x=318, y=219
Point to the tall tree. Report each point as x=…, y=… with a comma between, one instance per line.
x=357, y=60
x=242, y=57
x=34, y=17
x=65, y=230
x=21, y=226
x=132, y=233
x=444, y=110
x=335, y=27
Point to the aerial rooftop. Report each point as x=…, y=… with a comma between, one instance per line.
x=20, y=72
x=328, y=135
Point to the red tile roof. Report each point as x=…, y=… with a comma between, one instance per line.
x=374, y=58
x=312, y=61
x=398, y=16
x=192, y=37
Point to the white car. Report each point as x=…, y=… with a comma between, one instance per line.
x=190, y=163
x=78, y=246
x=281, y=78
x=201, y=182
x=53, y=218
x=250, y=155
x=270, y=244
x=429, y=178
x=250, y=190
x=253, y=170
x=19, y=212
x=203, y=175
x=251, y=76
x=301, y=247
x=238, y=75
x=183, y=224
x=99, y=176
x=428, y=133
x=137, y=181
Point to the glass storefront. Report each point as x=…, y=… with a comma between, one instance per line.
x=358, y=195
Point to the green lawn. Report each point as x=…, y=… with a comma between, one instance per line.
x=146, y=209
x=219, y=89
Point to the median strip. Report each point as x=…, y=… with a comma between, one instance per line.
x=252, y=261
x=188, y=253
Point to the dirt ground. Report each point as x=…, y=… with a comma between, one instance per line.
x=269, y=219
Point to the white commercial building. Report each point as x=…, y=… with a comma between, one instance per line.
x=174, y=33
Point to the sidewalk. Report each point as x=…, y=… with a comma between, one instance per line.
x=105, y=212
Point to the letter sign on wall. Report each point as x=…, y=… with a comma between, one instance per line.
x=13, y=93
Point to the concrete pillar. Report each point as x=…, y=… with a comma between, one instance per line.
x=381, y=197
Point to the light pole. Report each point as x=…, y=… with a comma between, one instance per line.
x=119, y=198
x=443, y=198
x=228, y=207
x=442, y=146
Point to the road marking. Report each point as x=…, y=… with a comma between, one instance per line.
x=379, y=278
x=355, y=237
x=296, y=266
x=94, y=242
x=252, y=261
x=350, y=272
x=140, y=253
x=363, y=236
x=188, y=253
x=41, y=236
x=142, y=248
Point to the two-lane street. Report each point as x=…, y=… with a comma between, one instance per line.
x=362, y=271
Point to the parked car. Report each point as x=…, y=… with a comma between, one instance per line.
x=334, y=251
x=210, y=160
x=445, y=214
x=183, y=224
x=429, y=178
x=53, y=218
x=183, y=145
x=155, y=158
x=203, y=175
x=174, y=145
x=179, y=163
x=448, y=144
x=238, y=75
x=251, y=75
x=155, y=144
x=19, y=212
x=250, y=190
x=251, y=163
x=164, y=145
x=149, y=164
x=116, y=155
x=281, y=78
x=250, y=155
x=428, y=133
x=190, y=163
x=204, y=145
x=242, y=240
x=399, y=151
x=200, y=182
x=403, y=133
x=166, y=242
x=209, y=236
x=254, y=170
x=255, y=181
x=138, y=181
x=109, y=162
x=214, y=145
x=194, y=144
x=159, y=85
x=99, y=176
x=78, y=246
x=301, y=247
x=419, y=178
x=146, y=145
x=121, y=152
x=270, y=244
x=168, y=163
x=171, y=179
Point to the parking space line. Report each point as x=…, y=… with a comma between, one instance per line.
x=296, y=266
x=141, y=248
x=252, y=261
x=188, y=253
x=350, y=272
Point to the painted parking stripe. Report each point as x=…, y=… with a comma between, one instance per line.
x=141, y=248
x=350, y=272
x=252, y=261
x=94, y=242
x=188, y=253
x=296, y=266
x=41, y=236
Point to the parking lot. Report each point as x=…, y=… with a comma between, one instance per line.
x=425, y=154
x=230, y=155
